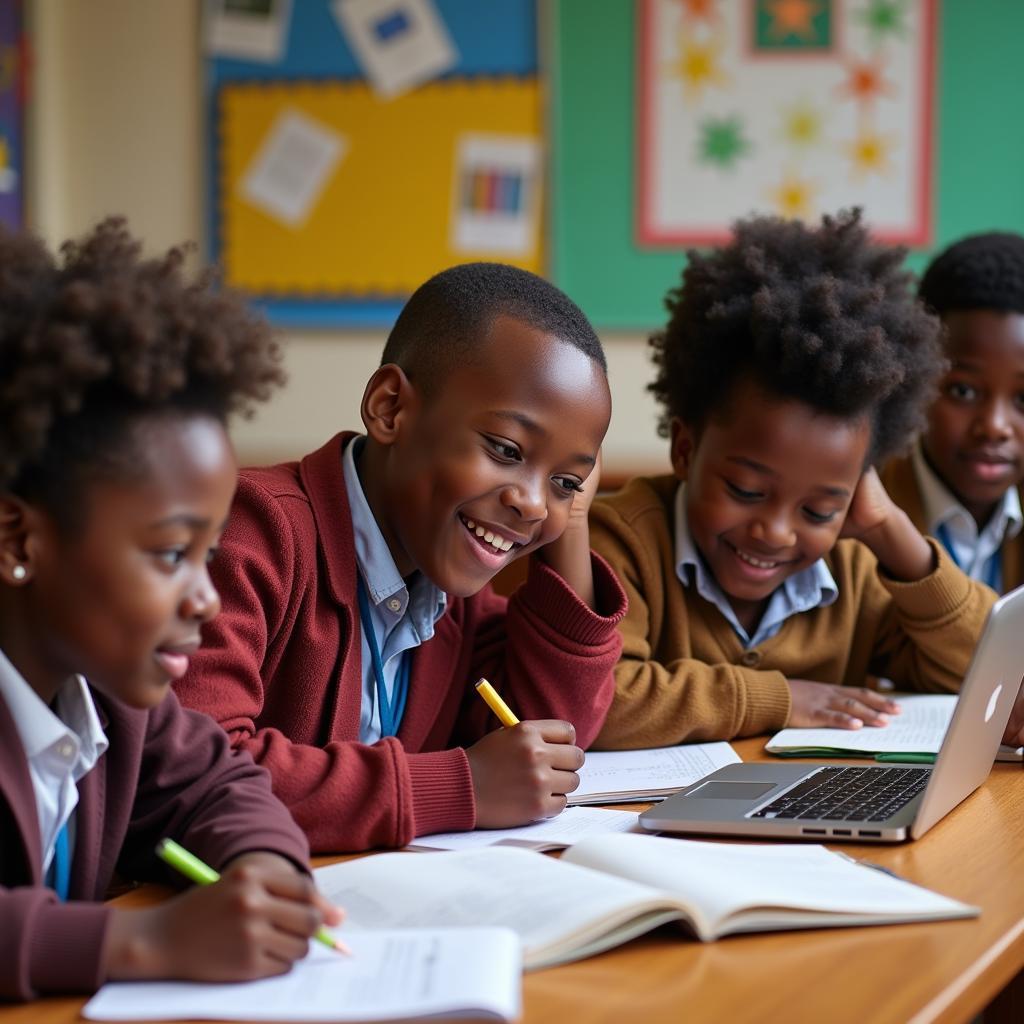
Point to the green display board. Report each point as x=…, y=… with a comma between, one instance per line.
x=978, y=151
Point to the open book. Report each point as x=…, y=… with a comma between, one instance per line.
x=918, y=729
x=435, y=972
x=626, y=776
x=607, y=890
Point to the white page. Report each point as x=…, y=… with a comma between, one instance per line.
x=662, y=770
x=572, y=825
x=538, y=897
x=390, y=975
x=722, y=878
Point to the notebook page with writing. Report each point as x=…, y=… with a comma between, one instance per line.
x=621, y=776
x=919, y=728
x=452, y=972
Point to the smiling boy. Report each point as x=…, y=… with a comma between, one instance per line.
x=356, y=607
x=961, y=483
x=794, y=359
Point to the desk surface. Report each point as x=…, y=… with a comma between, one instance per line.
x=946, y=971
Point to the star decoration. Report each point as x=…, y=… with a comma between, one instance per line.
x=700, y=10
x=802, y=125
x=698, y=67
x=722, y=141
x=865, y=81
x=792, y=18
x=794, y=197
x=884, y=18
x=870, y=154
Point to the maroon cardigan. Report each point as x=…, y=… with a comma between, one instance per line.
x=167, y=772
x=280, y=667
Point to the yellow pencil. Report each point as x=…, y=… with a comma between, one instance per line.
x=496, y=704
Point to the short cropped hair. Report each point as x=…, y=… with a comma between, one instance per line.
x=978, y=272
x=820, y=314
x=449, y=316
x=100, y=338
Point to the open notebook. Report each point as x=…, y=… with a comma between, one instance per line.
x=918, y=729
x=607, y=890
x=434, y=972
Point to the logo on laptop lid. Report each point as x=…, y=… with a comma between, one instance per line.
x=992, y=701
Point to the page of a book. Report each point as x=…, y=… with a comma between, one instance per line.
x=609, y=889
x=623, y=776
x=572, y=825
x=391, y=975
x=918, y=729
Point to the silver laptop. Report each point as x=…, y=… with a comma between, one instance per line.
x=870, y=802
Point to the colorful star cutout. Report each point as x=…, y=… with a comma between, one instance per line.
x=698, y=67
x=700, y=10
x=884, y=18
x=722, y=141
x=864, y=81
x=794, y=197
x=870, y=154
x=802, y=125
x=792, y=18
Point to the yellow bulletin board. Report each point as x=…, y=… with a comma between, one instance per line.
x=383, y=223
x=332, y=193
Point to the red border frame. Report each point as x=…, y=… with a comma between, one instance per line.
x=919, y=233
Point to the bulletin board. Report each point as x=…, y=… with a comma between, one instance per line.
x=335, y=186
x=598, y=254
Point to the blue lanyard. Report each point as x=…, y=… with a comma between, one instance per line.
x=390, y=714
x=60, y=866
x=993, y=570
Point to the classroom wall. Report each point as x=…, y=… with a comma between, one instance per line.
x=116, y=127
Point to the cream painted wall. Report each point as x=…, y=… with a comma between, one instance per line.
x=116, y=128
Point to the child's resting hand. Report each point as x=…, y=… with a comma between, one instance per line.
x=1014, y=734
x=523, y=773
x=256, y=921
x=870, y=506
x=825, y=705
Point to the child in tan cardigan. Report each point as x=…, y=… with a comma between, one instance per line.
x=771, y=574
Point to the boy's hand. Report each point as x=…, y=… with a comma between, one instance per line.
x=1014, y=734
x=827, y=706
x=870, y=507
x=256, y=921
x=523, y=773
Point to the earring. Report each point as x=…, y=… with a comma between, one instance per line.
x=19, y=572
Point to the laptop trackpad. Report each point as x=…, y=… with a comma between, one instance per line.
x=732, y=790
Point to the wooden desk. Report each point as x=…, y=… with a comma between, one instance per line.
x=943, y=972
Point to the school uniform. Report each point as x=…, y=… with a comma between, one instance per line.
x=162, y=772
x=689, y=672
x=994, y=554
x=282, y=667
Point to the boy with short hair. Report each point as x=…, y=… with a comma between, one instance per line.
x=356, y=608
x=794, y=359
x=961, y=482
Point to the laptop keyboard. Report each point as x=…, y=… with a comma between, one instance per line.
x=849, y=794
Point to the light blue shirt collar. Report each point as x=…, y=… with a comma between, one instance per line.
x=809, y=588
x=971, y=548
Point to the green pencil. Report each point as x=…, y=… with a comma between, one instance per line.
x=195, y=870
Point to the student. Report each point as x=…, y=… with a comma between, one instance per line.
x=116, y=475
x=483, y=426
x=794, y=360
x=961, y=482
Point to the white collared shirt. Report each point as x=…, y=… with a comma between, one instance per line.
x=62, y=745
x=971, y=549
x=403, y=617
x=809, y=588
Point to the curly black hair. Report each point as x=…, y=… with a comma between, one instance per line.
x=448, y=316
x=99, y=338
x=978, y=272
x=821, y=315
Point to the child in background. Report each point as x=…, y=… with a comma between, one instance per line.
x=116, y=475
x=961, y=482
x=357, y=607
x=793, y=361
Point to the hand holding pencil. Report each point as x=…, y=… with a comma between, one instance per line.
x=523, y=771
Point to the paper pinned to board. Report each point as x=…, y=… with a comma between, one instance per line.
x=496, y=203
x=247, y=29
x=400, y=44
x=292, y=167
